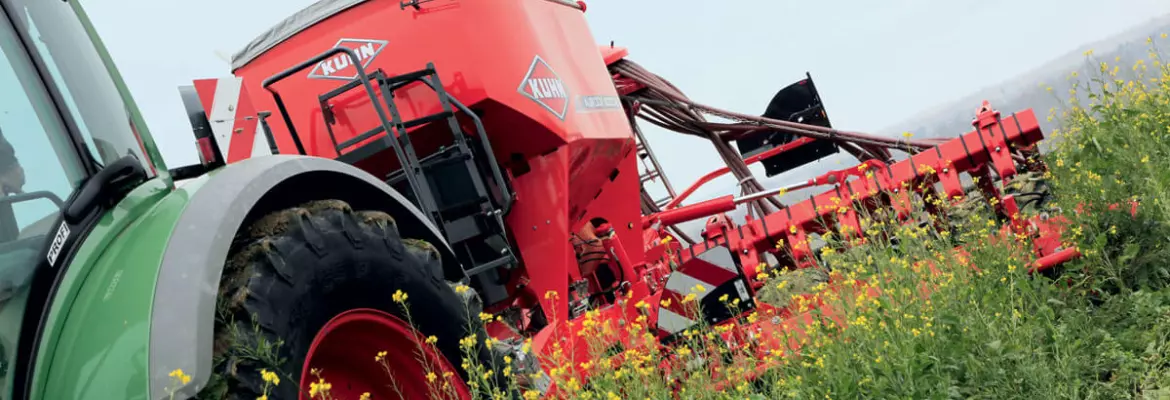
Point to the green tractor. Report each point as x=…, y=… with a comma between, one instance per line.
x=111, y=273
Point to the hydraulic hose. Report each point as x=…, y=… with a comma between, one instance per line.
x=664, y=105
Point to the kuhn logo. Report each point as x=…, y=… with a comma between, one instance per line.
x=543, y=86
x=340, y=66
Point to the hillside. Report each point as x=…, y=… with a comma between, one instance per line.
x=1028, y=90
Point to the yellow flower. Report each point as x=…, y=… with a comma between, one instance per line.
x=319, y=387
x=180, y=376
x=531, y=395
x=270, y=377
x=467, y=342
x=485, y=317
x=461, y=288
x=432, y=339
x=381, y=356
x=399, y=296
x=365, y=396
x=431, y=376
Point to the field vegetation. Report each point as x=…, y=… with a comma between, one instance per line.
x=948, y=324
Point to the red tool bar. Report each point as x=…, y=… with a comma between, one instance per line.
x=828, y=178
x=728, y=203
x=1054, y=259
x=692, y=212
x=942, y=164
x=878, y=185
x=723, y=171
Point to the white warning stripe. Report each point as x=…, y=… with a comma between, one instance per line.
x=260, y=142
x=672, y=322
x=223, y=111
x=685, y=284
x=720, y=257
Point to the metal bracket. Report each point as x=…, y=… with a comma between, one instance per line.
x=412, y=3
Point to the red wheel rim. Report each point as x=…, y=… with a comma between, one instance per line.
x=344, y=352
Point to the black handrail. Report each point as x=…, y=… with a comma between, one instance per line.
x=310, y=62
x=491, y=157
x=486, y=145
x=365, y=79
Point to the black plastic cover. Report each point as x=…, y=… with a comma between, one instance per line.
x=799, y=102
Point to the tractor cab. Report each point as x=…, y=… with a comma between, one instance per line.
x=66, y=137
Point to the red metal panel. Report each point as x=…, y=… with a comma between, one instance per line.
x=539, y=226
x=243, y=128
x=532, y=69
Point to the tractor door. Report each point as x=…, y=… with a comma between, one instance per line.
x=66, y=137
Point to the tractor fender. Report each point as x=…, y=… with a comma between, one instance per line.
x=183, y=314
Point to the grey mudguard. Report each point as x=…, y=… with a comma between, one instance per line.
x=183, y=314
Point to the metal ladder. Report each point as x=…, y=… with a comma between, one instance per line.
x=651, y=171
x=460, y=187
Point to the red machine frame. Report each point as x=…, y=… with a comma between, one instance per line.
x=595, y=147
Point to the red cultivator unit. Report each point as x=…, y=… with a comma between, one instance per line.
x=515, y=135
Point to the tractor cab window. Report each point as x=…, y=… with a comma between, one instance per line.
x=40, y=165
x=76, y=70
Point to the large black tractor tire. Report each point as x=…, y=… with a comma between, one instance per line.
x=293, y=270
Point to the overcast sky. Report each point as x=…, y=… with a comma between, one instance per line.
x=875, y=62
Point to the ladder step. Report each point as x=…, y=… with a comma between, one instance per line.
x=649, y=176
x=663, y=201
x=499, y=262
x=426, y=162
x=359, y=138
x=401, y=80
x=427, y=119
